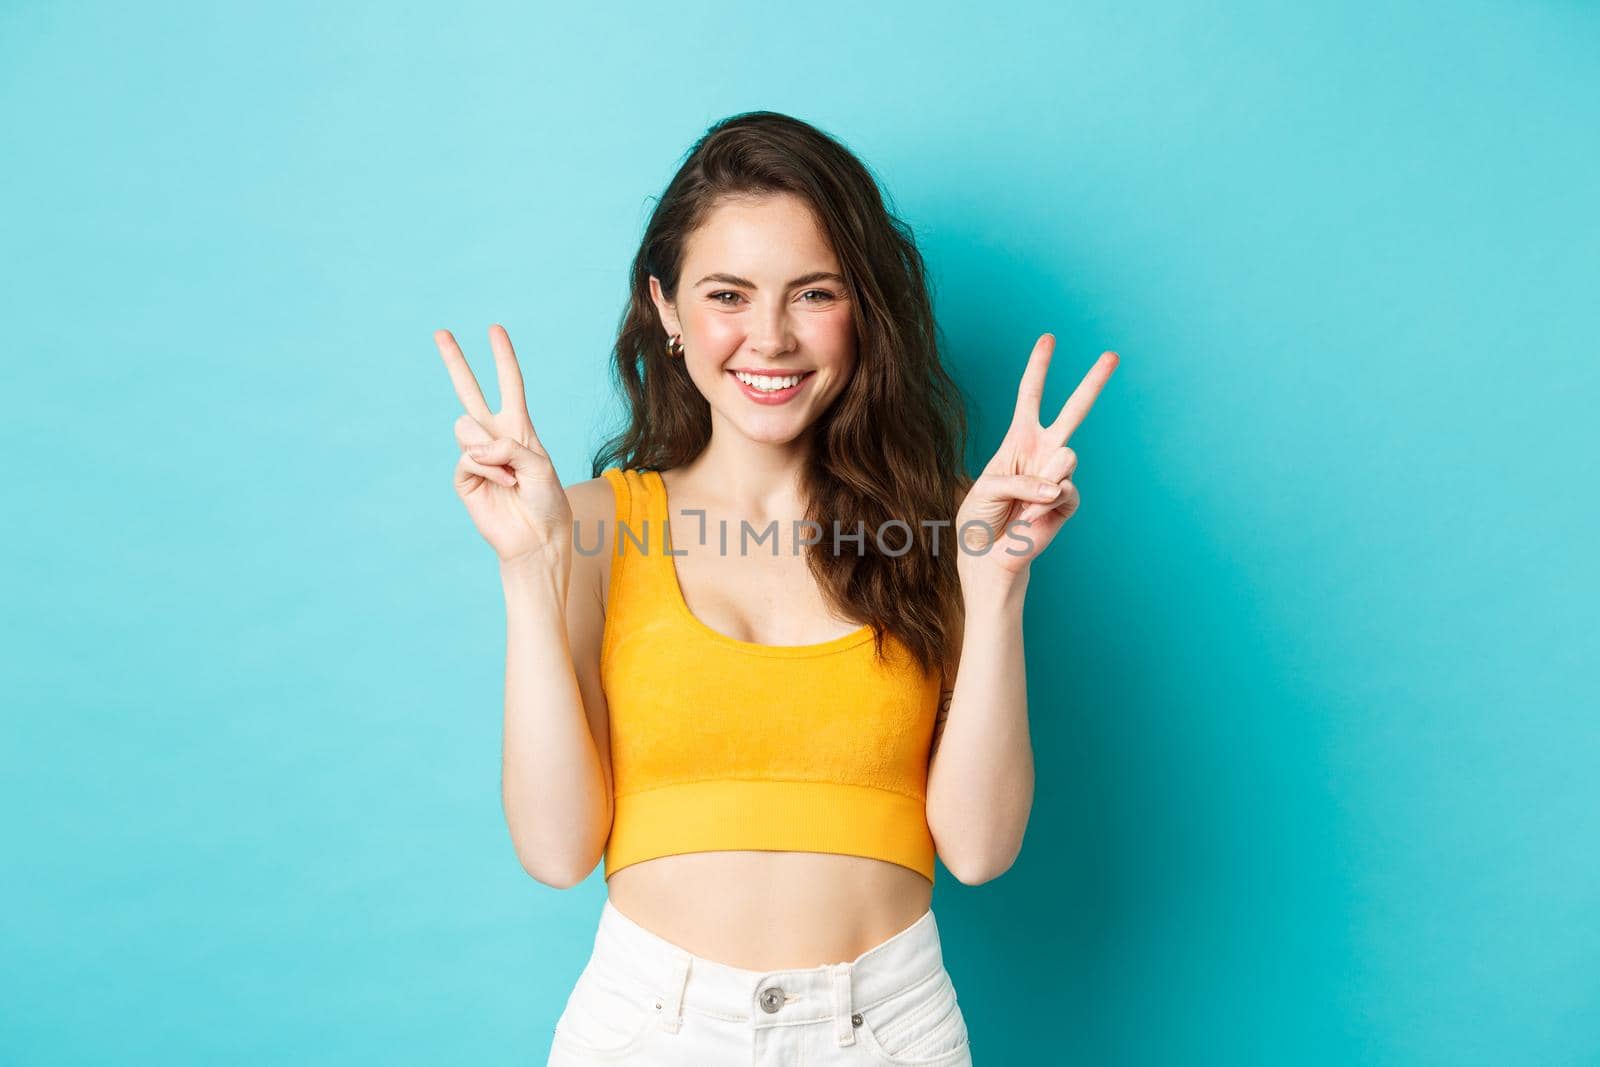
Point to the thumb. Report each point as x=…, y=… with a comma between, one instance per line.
x=504, y=452
x=1024, y=487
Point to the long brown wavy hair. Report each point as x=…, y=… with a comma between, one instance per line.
x=891, y=445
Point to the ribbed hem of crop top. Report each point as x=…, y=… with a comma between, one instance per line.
x=774, y=816
x=719, y=744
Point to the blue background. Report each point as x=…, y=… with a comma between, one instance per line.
x=1311, y=673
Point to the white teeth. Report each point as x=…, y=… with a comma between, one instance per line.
x=766, y=384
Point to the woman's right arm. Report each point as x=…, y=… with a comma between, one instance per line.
x=556, y=764
x=555, y=777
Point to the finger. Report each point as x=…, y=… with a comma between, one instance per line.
x=1059, y=467
x=1043, y=504
x=1030, y=394
x=504, y=452
x=1082, y=398
x=1061, y=463
x=533, y=438
x=471, y=475
x=1069, y=502
x=1051, y=521
x=512, y=398
x=465, y=480
x=1043, y=515
x=1025, y=487
x=467, y=390
x=469, y=431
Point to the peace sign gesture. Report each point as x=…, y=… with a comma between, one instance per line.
x=504, y=476
x=1029, y=478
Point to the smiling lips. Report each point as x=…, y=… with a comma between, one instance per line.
x=770, y=396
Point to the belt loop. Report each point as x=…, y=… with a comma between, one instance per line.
x=843, y=1025
x=672, y=997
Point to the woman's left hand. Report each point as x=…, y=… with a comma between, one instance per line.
x=1030, y=477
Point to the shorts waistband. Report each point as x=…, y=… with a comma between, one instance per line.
x=776, y=997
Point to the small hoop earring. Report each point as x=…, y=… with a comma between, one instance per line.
x=675, y=347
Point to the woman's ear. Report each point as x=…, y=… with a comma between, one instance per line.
x=664, y=310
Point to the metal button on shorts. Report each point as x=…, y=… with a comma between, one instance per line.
x=771, y=999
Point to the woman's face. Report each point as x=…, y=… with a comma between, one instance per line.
x=761, y=292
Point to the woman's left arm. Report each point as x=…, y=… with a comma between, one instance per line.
x=980, y=778
x=980, y=774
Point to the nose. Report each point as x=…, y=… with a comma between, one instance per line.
x=770, y=334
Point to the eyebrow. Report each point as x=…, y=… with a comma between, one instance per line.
x=804, y=279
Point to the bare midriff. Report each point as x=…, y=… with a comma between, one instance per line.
x=764, y=911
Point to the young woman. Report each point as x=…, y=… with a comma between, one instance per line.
x=767, y=663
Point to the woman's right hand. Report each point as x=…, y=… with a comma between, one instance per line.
x=504, y=476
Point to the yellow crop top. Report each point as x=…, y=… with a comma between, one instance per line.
x=720, y=744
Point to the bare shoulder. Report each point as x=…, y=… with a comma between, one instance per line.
x=594, y=509
x=591, y=499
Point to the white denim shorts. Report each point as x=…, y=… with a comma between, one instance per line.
x=641, y=999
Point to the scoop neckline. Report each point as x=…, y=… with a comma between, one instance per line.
x=843, y=641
